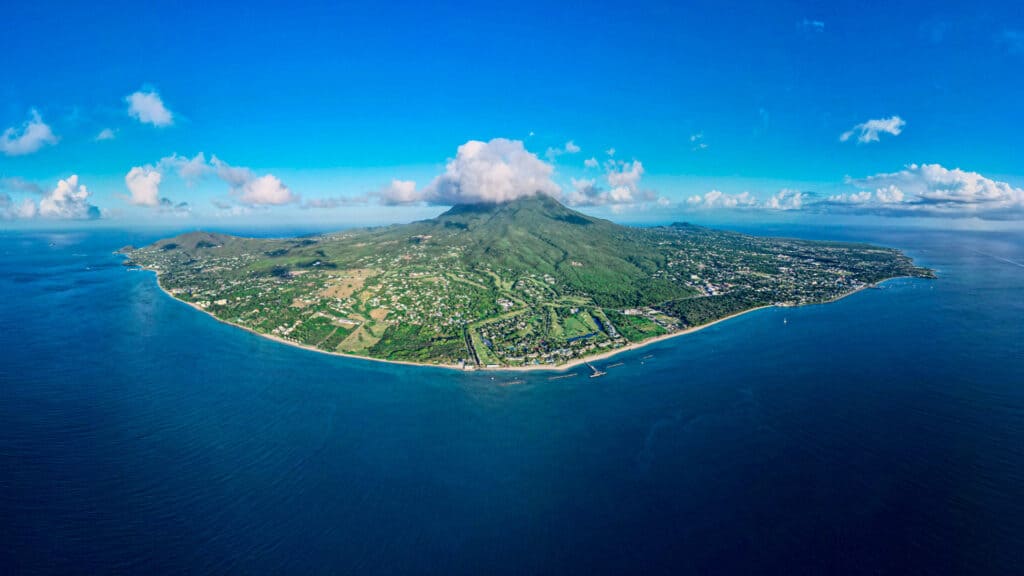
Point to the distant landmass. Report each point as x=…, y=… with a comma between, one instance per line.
x=528, y=283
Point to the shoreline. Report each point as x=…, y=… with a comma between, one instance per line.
x=574, y=363
x=280, y=340
x=633, y=346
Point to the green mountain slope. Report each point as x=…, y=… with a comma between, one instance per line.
x=525, y=282
x=613, y=264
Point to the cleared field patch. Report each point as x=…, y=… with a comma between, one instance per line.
x=556, y=329
x=634, y=328
x=463, y=280
x=346, y=322
x=359, y=341
x=579, y=325
x=500, y=283
x=482, y=350
x=347, y=282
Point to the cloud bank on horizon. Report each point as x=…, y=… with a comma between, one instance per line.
x=502, y=170
x=932, y=190
x=929, y=190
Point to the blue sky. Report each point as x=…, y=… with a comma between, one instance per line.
x=329, y=112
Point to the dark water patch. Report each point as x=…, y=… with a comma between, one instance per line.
x=882, y=434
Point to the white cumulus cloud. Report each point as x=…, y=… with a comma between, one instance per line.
x=716, y=199
x=569, y=148
x=148, y=108
x=623, y=190
x=246, y=187
x=252, y=190
x=503, y=170
x=626, y=174
x=143, y=184
x=932, y=189
x=869, y=131
x=491, y=172
x=786, y=199
x=68, y=200
x=12, y=210
x=890, y=194
x=399, y=192
x=856, y=198
x=585, y=192
x=105, y=134
x=33, y=135
x=189, y=169
x=266, y=190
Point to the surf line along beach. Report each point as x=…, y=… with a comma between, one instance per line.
x=574, y=363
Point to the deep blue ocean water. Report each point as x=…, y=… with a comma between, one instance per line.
x=881, y=434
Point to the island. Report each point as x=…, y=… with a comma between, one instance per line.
x=527, y=284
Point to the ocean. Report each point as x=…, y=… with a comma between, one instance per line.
x=880, y=434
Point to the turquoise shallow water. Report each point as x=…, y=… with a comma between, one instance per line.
x=882, y=434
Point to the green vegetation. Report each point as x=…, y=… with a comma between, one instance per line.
x=635, y=328
x=701, y=310
x=522, y=283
